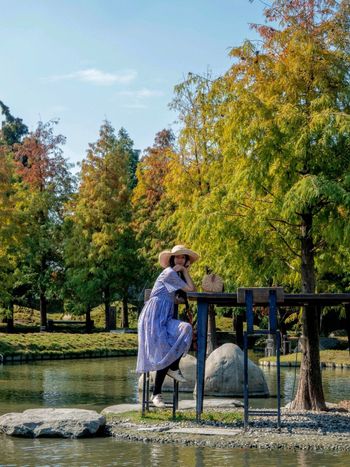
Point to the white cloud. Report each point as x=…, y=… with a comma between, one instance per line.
x=141, y=93
x=99, y=77
x=137, y=98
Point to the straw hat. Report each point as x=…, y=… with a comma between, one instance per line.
x=164, y=256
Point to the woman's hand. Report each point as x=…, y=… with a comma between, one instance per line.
x=183, y=326
x=179, y=268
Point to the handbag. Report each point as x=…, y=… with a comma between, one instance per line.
x=212, y=283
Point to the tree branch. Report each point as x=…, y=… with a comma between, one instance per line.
x=284, y=240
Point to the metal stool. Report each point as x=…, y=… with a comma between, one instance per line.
x=146, y=377
x=145, y=395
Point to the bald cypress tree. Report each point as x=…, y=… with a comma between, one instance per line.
x=275, y=208
x=287, y=147
x=101, y=255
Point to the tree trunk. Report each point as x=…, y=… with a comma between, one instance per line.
x=43, y=312
x=309, y=394
x=347, y=318
x=125, y=313
x=107, y=303
x=10, y=319
x=212, y=337
x=88, y=318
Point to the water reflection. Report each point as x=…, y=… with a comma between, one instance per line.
x=109, y=452
x=98, y=383
x=335, y=385
x=80, y=383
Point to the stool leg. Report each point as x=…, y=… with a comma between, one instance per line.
x=147, y=391
x=245, y=385
x=278, y=344
x=175, y=398
x=143, y=393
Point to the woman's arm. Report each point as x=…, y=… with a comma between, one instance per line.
x=190, y=287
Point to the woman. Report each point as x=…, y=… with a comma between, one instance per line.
x=163, y=340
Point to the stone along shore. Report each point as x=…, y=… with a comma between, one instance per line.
x=306, y=430
x=323, y=431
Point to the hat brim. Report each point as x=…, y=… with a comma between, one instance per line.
x=164, y=256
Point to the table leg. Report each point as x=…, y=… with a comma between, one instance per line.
x=202, y=329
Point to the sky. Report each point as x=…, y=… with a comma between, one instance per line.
x=84, y=61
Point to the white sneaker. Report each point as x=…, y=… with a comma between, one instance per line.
x=177, y=375
x=158, y=401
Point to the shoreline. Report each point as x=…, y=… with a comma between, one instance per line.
x=221, y=426
x=345, y=366
x=86, y=354
x=23, y=358
x=300, y=431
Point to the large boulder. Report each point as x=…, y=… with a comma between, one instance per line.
x=339, y=333
x=61, y=423
x=224, y=374
x=188, y=365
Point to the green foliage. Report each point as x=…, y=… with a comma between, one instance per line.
x=8, y=229
x=262, y=170
x=150, y=206
x=125, y=145
x=35, y=185
x=43, y=187
x=100, y=248
x=12, y=128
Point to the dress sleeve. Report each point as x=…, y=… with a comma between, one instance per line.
x=172, y=281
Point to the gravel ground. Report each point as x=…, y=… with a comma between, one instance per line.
x=310, y=431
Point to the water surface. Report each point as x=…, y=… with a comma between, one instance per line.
x=109, y=452
x=98, y=383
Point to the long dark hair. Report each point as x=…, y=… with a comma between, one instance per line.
x=180, y=293
x=172, y=262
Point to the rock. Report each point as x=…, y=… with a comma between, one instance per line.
x=61, y=423
x=345, y=405
x=120, y=408
x=338, y=333
x=184, y=404
x=188, y=365
x=224, y=374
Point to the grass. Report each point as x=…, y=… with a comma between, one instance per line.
x=326, y=357
x=159, y=416
x=223, y=323
x=28, y=319
x=57, y=344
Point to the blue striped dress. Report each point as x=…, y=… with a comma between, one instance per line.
x=161, y=341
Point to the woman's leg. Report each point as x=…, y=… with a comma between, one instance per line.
x=161, y=374
x=175, y=365
x=159, y=380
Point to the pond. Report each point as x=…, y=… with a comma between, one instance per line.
x=98, y=383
